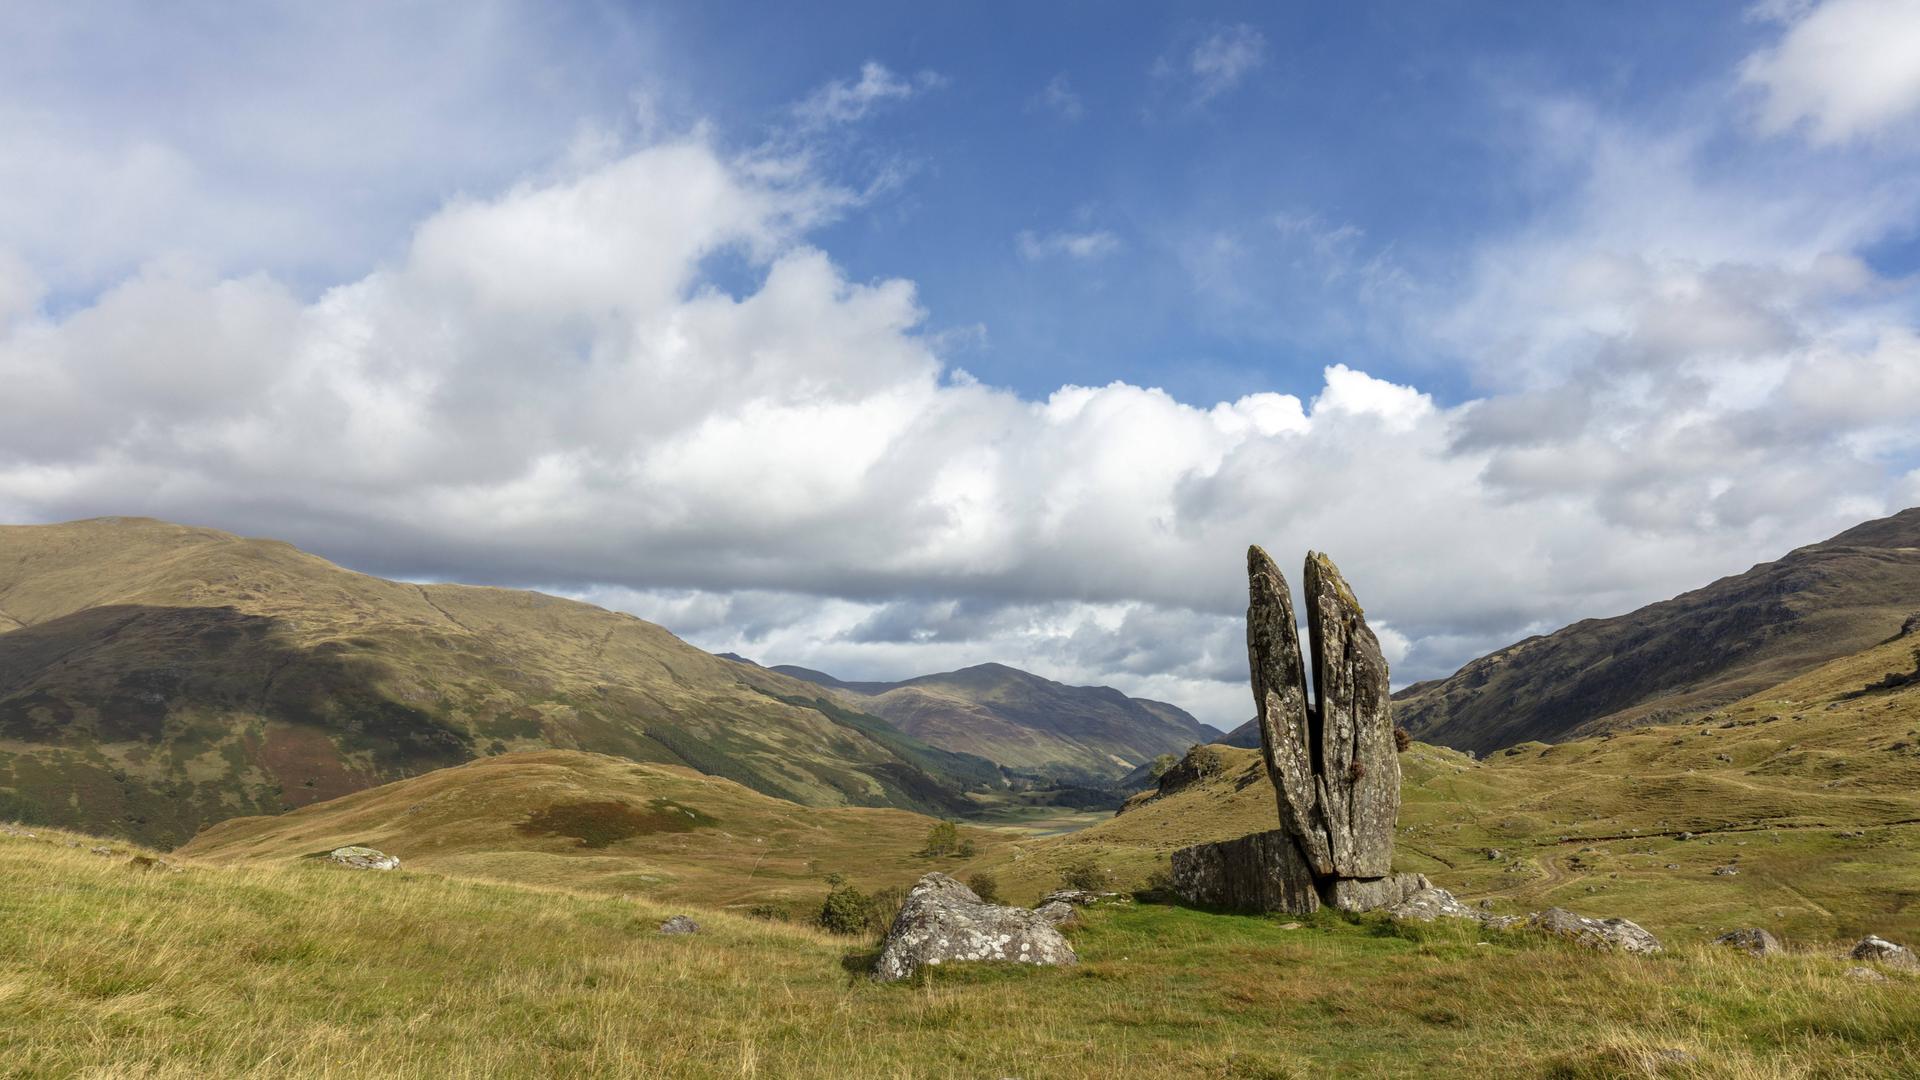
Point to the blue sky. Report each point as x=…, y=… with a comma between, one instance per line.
x=885, y=340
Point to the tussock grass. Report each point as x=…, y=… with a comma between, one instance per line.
x=305, y=969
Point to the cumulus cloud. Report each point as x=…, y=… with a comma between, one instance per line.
x=1095, y=244
x=1845, y=68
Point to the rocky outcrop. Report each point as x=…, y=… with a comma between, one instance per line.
x=1617, y=934
x=1334, y=763
x=1751, y=940
x=1881, y=951
x=943, y=921
x=363, y=858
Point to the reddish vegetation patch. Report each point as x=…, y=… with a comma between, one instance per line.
x=306, y=763
x=599, y=824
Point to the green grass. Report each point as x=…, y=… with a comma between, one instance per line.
x=311, y=970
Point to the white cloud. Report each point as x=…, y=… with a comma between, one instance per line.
x=1846, y=68
x=1060, y=98
x=1035, y=247
x=1218, y=62
x=843, y=102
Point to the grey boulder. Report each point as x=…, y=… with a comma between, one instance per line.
x=679, y=924
x=943, y=921
x=1617, y=934
x=1752, y=940
x=363, y=858
x=1881, y=951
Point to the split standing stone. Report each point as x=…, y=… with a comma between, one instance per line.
x=1361, y=763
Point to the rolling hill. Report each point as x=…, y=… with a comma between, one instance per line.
x=1685, y=656
x=155, y=678
x=1083, y=734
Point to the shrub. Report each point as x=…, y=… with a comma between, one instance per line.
x=1085, y=874
x=772, y=911
x=985, y=886
x=846, y=910
x=884, y=906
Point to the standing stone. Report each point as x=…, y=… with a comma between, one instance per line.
x=1289, y=739
x=1360, y=763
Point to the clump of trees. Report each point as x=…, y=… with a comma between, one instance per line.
x=944, y=839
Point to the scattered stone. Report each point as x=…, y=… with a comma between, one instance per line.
x=1433, y=903
x=1494, y=854
x=1077, y=897
x=101, y=850
x=149, y=862
x=942, y=920
x=1290, y=926
x=1058, y=913
x=1881, y=951
x=1595, y=933
x=1725, y=871
x=1684, y=836
x=14, y=830
x=1866, y=974
x=679, y=924
x=363, y=858
x=1751, y=940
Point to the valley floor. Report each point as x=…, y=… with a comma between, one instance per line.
x=311, y=970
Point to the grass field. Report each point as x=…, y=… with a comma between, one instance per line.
x=311, y=970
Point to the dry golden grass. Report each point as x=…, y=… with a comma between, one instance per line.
x=310, y=970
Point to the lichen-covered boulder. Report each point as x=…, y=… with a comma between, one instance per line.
x=679, y=924
x=363, y=858
x=1752, y=940
x=943, y=921
x=1881, y=951
x=1595, y=933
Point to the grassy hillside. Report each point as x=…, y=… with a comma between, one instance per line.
x=1810, y=790
x=589, y=821
x=311, y=970
x=154, y=678
x=1088, y=734
x=1682, y=657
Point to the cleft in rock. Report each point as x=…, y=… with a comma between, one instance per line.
x=943, y=921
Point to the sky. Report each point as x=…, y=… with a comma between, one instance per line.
x=886, y=340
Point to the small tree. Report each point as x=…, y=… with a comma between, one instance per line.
x=846, y=910
x=985, y=886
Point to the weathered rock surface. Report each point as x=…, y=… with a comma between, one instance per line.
x=1289, y=730
x=1595, y=933
x=1432, y=903
x=1359, y=766
x=1057, y=912
x=363, y=858
x=942, y=921
x=679, y=924
x=1355, y=894
x=1256, y=873
x=1076, y=897
x=1865, y=974
x=1751, y=940
x=1881, y=951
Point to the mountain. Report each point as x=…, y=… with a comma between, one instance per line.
x=156, y=677
x=1089, y=734
x=1685, y=656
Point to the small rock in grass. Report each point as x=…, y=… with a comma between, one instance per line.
x=1865, y=974
x=1619, y=934
x=149, y=862
x=679, y=924
x=1751, y=940
x=1725, y=871
x=363, y=858
x=1881, y=951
